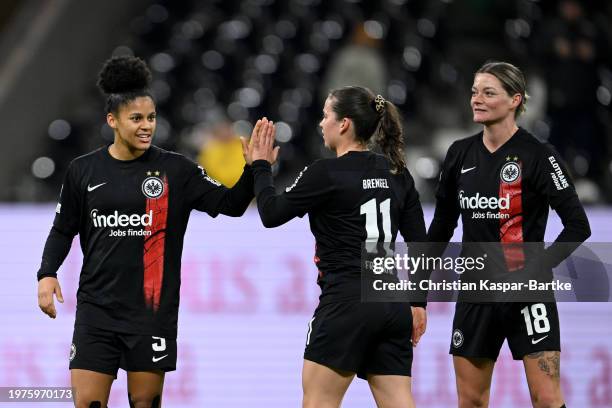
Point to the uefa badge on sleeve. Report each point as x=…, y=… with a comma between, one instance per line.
x=152, y=186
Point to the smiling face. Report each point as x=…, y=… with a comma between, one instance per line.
x=134, y=124
x=490, y=102
x=330, y=126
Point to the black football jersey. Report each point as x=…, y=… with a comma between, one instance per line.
x=349, y=199
x=131, y=218
x=505, y=196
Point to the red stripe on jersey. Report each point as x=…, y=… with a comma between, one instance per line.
x=511, y=223
x=154, y=245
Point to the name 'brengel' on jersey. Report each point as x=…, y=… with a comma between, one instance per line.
x=375, y=183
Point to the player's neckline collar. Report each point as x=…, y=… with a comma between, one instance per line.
x=142, y=157
x=356, y=152
x=500, y=148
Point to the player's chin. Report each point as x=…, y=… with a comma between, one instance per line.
x=478, y=117
x=141, y=143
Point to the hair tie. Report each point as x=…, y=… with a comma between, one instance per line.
x=379, y=102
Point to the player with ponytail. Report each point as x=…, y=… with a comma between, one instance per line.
x=356, y=197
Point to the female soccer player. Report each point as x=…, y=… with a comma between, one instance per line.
x=130, y=203
x=516, y=179
x=357, y=196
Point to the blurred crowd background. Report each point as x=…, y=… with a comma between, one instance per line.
x=219, y=65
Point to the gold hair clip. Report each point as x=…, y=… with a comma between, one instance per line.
x=380, y=103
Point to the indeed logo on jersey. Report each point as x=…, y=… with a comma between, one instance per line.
x=557, y=176
x=121, y=220
x=483, y=203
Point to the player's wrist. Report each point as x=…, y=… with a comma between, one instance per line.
x=41, y=276
x=261, y=163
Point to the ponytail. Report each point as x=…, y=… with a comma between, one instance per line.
x=374, y=118
x=389, y=134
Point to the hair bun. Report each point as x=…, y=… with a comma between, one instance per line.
x=124, y=74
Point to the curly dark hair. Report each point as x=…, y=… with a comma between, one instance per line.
x=124, y=79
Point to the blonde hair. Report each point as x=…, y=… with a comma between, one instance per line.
x=511, y=78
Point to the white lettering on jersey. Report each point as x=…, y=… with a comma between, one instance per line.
x=288, y=189
x=483, y=203
x=208, y=178
x=121, y=220
x=58, y=208
x=375, y=183
x=557, y=176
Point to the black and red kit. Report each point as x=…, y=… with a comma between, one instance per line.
x=131, y=218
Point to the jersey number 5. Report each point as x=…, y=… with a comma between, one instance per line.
x=159, y=343
x=372, y=228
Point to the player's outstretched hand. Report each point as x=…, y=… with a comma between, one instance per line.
x=47, y=287
x=419, y=324
x=247, y=145
x=263, y=142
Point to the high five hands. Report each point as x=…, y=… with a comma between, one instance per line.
x=261, y=144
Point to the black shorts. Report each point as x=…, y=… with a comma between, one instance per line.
x=479, y=330
x=364, y=338
x=106, y=351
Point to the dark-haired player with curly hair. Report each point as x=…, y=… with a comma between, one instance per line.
x=359, y=196
x=130, y=203
x=502, y=182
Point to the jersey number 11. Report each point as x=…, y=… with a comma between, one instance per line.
x=372, y=228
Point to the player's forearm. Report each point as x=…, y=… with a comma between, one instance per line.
x=576, y=229
x=273, y=209
x=413, y=224
x=239, y=197
x=443, y=224
x=440, y=232
x=56, y=250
